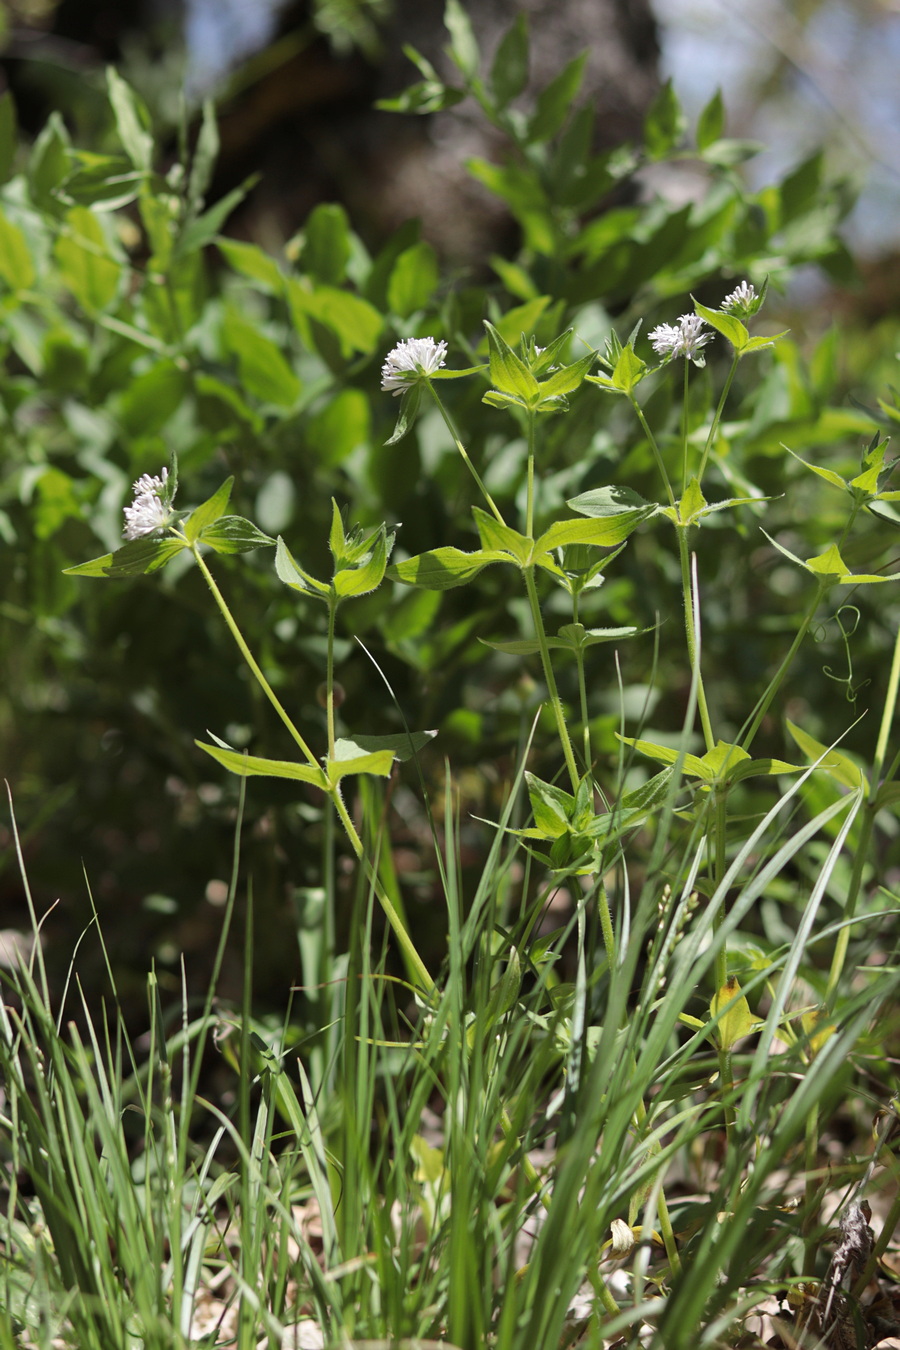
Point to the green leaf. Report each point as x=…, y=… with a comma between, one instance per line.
x=264, y=371
x=664, y=124
x=731, y=328
x=711, y=122
x=603, y=532
x=249, y=261
x=16, y=267
x=253, y=766
x=356, y=324
x=206, y=152
x=402, y=745
x=208, y=512
x=147, y=402
x=554, y=102
x=463, y=44
x=509, y=373
x=414, y=280
x=735, y=1019
x=692, y=503
x=132, y=121
x=348, y=761
x=494, y=534
x=628, y=372
x=343, y=424
x=367, y=577
x=204, y=230
x=290, y=572
x=409, y=407
x=85, y=264
x=509, y=70
x=234, y=534
x=137, y=557
x=326, y=244
x=443, y=568
x=49, y=165
x=7, y=138
x=839, y=766
x=551, y=806
x=610, y=501
x=567, y=380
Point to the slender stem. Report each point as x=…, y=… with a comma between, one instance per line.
x=250, y=659
x=550, y=678
x=765, y=702
x=811, y=1148
x=653, y=446
x=691, y=634
x=606, y=925
x=529, y=497
x=329, y=674
x=721, y=816
x=462, y=450
x=887, y=716
x=662, y=1209
x=860, y=860
x=684, y=425
x=710, y=440
x=414, y=960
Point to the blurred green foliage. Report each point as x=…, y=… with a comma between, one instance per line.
x=133, y=328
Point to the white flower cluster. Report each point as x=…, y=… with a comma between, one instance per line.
x=682, y=339
x=410, y=359
x=150, y=509
x=741, y=300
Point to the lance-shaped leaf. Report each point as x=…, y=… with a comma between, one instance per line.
x=369, y=572
x=496, y=535
x=134, y=559
x=572, y=637
x=253, y=766
x=209, y=512
x=831, y=566
x=603, y=531
x=351, y=758
x=610, y=501
x=234, y=534
x=443, y=568
x=293, y=575
x=551, y=806
x=735, y=1020
x=627, y=373
x=724, y=763
x=402, y=745
x=409, y=407
x=734, y=331
x=837, y=765
x=509, y=373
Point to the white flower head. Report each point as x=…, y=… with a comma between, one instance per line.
x=682, y=339
x=151, y=509
x=409, y=361
x=743, y=300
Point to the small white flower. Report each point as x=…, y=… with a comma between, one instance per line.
x=682, y=339
x=741, y=299
x=410, y=359
x=150, y=509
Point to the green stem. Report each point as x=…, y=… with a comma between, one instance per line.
x=250, y=659
x=550, y=678
x=717, y=418
x=653, y=446
x=329, y=674
x=765, y=702
x=414, y=961
x=529, y=496
x=448, y=420
x=811, y=1148
x=721, y=816
x=860, y=859
x=606, y=925
x=684, y=426
x=691, y=634
x=662, y=1209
